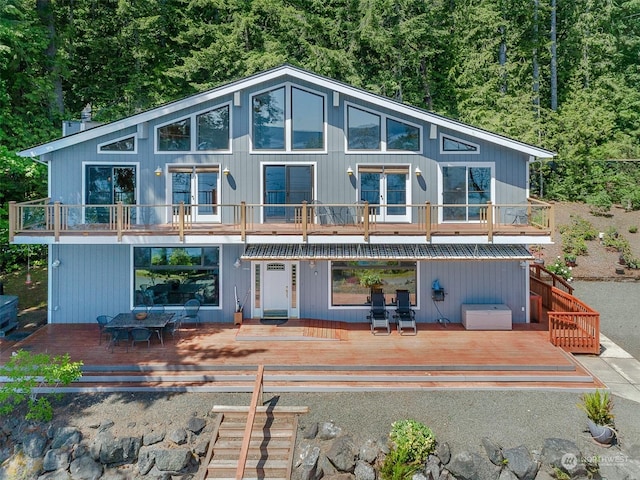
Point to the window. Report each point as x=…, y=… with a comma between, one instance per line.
x=351, y=281
x=107, y=185
x=467, y=186
x=213, y=129
x=121, y=145
x=286, y=184
x=365, y=133
x=198, y=187
x=455, y=145
x=207, y=131
x=288, y=119
x=171, y=276
x=386, y=188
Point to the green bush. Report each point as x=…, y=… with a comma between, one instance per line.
x=560, y=269
x=633, y=229
x=411, y=444
x=600, y=203
x=598, y=407
x=25, y=372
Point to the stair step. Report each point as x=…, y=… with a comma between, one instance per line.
x=254, y=453
x=254, y=434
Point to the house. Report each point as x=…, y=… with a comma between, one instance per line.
x=283, y=194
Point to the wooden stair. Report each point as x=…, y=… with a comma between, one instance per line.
x=270, y=448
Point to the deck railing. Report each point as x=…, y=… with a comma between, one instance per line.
x=44, y=217
x=573, y=325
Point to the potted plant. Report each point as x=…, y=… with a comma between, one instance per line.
x=570, y=259
x=599, y=409
x=536, y=250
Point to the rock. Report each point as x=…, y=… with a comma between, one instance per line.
x=171, y=459
x=85, y=468
x=20, y=466
x=328, y=431
x=325, y=467
x=443, y=452
x=33, y=444
x=364, y=471
x=493, y=450
x=342, y=454
x=55, y=475
x=563, y=454
x=178, y=436
x=56, y=459
x=308, y=462
x=432, y=468
x=369, y=451
x=66, y=437
x=471, y=466
x=105, y=425
x=196, y=424
x=201, y=447
x=520, y=462
x=310, y=432
x=152, y=437
x=420, y=476
x=146, y=460
x=507, y=474
x=110, y=450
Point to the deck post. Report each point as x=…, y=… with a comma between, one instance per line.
x=304, y=220
x=552, y=216
x=490, y=221
x=427, y=220
x=365, y=221
x=12, y=220
x=119, y=214
x=243, y=220
x=181, y=221
x=56, y=221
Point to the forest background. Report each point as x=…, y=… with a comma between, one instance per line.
x=560, y=74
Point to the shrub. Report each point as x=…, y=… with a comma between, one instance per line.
x=25, y=372
x=633, y=229
x=411, y=443
x=598, y=407
x=599, y=203
x=560, y=269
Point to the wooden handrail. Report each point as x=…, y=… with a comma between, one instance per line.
x=255, y=398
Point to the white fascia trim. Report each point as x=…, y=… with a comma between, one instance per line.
x=278, y=72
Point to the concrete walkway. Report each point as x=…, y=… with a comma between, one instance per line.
x=619, y=370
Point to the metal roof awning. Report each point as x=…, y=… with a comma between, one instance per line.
x=385, y=252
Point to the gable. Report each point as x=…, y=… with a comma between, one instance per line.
x=284, y=73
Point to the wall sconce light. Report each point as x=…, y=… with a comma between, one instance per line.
x=524, y=264
x=226, y=170
x=418, y=172
x=55, y=263
x=350, y=171
x=158, y=171
x=237, y=263
x=312, y=264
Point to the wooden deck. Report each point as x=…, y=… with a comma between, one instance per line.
x=313, y=355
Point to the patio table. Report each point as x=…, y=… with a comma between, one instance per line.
x=153, y=321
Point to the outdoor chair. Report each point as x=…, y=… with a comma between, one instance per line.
x=118, y=335
x=172, y=328
x=140, y=335
x=378, y=315
x=103, y=321
x=156, y=309
x=191, y=309
x=405, y=316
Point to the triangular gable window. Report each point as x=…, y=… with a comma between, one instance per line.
x=122, y=145
x=455, y=145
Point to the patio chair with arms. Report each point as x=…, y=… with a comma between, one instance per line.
x=118, y=335
x=141, y=335
x=103, y=322
x=172, y=328
x=191, y=309
x=378, y=315
x=405, y=316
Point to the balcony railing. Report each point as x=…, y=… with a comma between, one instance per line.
x=45, y=218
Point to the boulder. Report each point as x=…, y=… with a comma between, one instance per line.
x=521, y=463
x=493, y=451
x=565, y=455
x=178, y=436
x=56, y=459
x=85, y=468
x=33, y=444
x=364, y=471
x=55, y=475
x=443, y=451
x=153, y=436
x=328, y=431
x=171, y=459
x=308, y=462
x=146, y=460
x=471, y=466
x=196, y=424
x=342, y=454
x=310, y=432
x=66, y=437
x=369, y=451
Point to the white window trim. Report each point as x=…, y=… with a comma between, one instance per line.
x=193, y=134
x=409, y=183
x=391, y=308
x=178, y=308
x=288, y=123
x=490, y=165
x=383, y=133
x=459, y=140
x=169, y=190
x=287, y=164
x=115, y=140
x=135, y=165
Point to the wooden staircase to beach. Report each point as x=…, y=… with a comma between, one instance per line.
x=254, y=442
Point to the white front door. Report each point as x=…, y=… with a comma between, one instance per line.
x=275, y=287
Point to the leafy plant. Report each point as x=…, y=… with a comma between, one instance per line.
x=598, y=406
x=600, y=203
x=560, y=269
x=633, y=229
x=26, y=372
x=411, y=443
x=370, y=278
x=569, y=258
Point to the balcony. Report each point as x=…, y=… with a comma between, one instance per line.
x=43, y=218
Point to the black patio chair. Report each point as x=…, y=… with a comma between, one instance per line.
x=405, y=316
x=103, y=322
x=378, y=315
